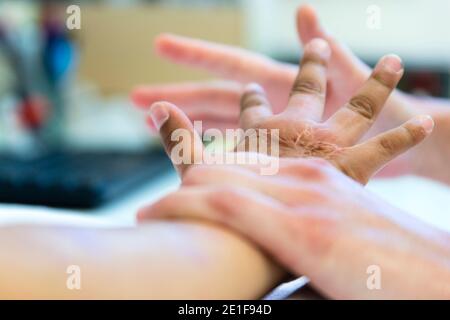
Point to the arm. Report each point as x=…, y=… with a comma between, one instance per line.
x=158, y=260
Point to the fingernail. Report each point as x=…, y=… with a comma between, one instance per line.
x=426, y=122
x=254, y=87
x=319, y=46
x=159, y=115
x=392, y=62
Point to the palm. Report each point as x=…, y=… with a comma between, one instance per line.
x=302, y=138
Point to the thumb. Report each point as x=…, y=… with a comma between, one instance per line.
x=182, y=143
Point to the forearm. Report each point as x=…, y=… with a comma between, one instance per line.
x=161, y=260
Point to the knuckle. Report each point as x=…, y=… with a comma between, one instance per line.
x=316, y=230
x=224, y=200
x=363, y=105
x=312, y=169
x=386, y=79
x=251, y=99
x=314, y=59
x=416, y=134
x=388, y=145
x=307, y=86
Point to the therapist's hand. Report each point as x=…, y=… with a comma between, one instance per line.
x=216, y=103
x=317, y=222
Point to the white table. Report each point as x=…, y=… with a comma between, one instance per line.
x=425, y=199
x=117, y=213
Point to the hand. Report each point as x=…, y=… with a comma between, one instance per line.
x=216, y=103
x=301, y=134
x=316, y=222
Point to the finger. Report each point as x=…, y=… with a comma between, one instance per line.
x=207, y=94
x=365, y=159
x=209, y=120
x=352, y=121
x=221, y=60
x=182, y=143
x=254, y=106
x=307, y=98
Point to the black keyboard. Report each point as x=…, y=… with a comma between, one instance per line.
x=77, y=180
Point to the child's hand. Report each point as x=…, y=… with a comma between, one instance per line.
x=303, y=134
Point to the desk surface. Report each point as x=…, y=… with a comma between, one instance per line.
x=422, y=198
x=114, y=214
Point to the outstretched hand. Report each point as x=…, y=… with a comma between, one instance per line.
x=301, y=130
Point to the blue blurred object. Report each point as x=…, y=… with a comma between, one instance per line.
x=58, y=52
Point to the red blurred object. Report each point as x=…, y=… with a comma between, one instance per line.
x=33, y=112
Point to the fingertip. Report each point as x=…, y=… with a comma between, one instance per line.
x=392, y=63
x=159, y=42
x=319, y=47
x=163, y=38
x=135, y=97
x=388, y=71
x=159, y=113
x=165, y=44
x=308, y=23
x=424, y=121
x=306, y=11
x=253, y=87
x=140, y=97
x=142, y=214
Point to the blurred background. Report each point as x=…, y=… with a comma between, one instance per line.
x=69, y=135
